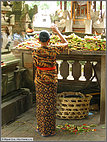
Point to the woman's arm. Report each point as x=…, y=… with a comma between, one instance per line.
x=55, y=29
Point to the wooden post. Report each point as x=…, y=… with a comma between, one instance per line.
x=61, y=5
x=103, y=89
x=65, y=5
x=71, y=8
x=95, y=5
x=74, y=12
x=87, y=10
x=79, y=10
x=101, y=9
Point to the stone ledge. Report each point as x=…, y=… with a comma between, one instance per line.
x=16, y=106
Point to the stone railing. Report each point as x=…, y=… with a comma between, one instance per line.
x=76, y=71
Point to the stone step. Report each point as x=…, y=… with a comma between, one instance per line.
x=77, y=30
x=78, y=24
x=11, y=108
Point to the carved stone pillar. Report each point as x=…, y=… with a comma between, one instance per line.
x=88, y=26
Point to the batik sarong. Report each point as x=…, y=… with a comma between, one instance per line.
x=46, y=88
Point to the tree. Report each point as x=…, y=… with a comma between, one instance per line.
x=44, y=6
x=32, y=4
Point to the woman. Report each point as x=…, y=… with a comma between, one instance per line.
x=46, y=81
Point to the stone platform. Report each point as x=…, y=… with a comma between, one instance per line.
x=25, y=125
x=15, y=104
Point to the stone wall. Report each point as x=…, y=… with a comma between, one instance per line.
x=23, y=16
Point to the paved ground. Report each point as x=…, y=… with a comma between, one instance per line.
x=25, y=126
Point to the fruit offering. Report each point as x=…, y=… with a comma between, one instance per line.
x=28, y=44
x=89, y=43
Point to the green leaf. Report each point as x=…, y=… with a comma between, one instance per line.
x=103, y=127
x=92, y=125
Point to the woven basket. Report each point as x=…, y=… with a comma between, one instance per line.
x=76, y=107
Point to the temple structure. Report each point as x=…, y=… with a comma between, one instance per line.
x=84, y=17
x=7, y=23
x=7, y=18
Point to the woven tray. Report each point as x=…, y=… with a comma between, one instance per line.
x=72, y=107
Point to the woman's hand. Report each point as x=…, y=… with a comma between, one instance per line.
x=54, y=28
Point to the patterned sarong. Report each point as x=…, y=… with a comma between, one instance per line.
x=46, y=88
x=46, y=108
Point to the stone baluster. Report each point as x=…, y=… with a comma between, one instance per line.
x=70, y=77
x=82, y=77
x=58, y=69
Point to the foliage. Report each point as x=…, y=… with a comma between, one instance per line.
x=17, y=6
x=58, y=3
x=31, y=5
x=33, y=11
x=44, y=6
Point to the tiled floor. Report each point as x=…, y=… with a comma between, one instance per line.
x=25, y=126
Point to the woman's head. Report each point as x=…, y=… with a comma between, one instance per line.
x=44, y=36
